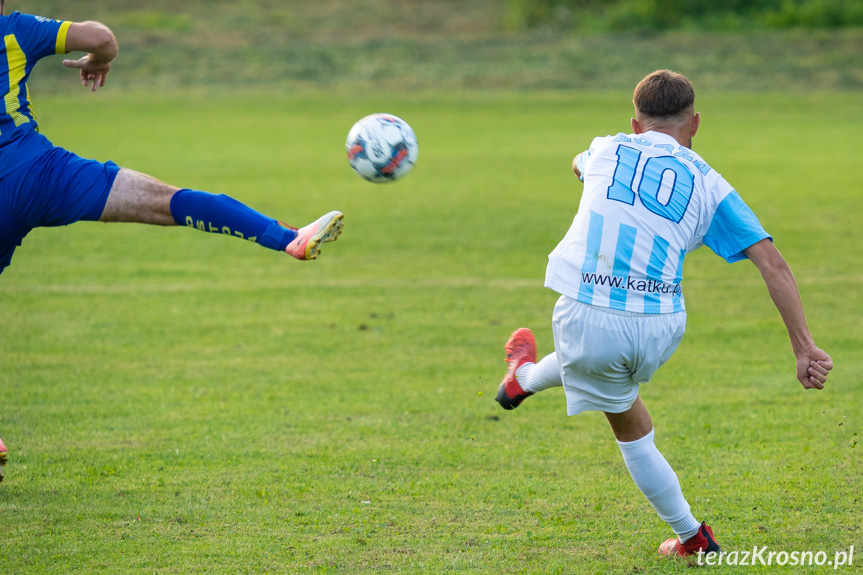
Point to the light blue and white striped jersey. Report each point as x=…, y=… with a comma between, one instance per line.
x=647, y=202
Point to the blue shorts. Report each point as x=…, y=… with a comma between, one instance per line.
x=57, y=188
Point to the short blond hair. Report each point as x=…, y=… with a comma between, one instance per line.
x=663, y=94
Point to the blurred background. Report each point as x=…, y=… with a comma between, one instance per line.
x=349, y=45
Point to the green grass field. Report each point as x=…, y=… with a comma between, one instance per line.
x=178, y=402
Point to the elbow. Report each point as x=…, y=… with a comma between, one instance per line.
x=93, y=37
x=769, y=261
x=105, y=44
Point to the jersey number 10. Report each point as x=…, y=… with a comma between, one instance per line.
x=665, y=187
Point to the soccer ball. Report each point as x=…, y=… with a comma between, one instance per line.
x=382, y=148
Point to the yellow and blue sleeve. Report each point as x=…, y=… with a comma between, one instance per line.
x=61, y=37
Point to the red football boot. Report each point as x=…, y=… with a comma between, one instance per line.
x=702, y=542
x=520, y=349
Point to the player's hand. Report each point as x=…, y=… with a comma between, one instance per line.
x=813, y=365
x=93, y=71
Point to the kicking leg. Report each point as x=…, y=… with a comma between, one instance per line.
x=539, y=376
x=524, y=376
x=658, y=482
x=137, y=197
x=520, y=350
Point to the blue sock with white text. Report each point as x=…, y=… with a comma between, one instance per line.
x=221, y=214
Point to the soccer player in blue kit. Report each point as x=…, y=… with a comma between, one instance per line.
x=648, y=200
x=44, y=185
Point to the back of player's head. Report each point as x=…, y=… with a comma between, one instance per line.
x=663, y=94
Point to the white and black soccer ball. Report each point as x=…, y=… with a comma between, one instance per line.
x=382, y=148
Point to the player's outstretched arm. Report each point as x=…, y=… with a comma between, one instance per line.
x=813, y=364
x=101, y=46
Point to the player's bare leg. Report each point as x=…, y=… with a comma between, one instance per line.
x=137, y=197
x=631, y=425
x=656, y=479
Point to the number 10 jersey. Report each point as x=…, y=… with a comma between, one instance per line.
x=647, y=202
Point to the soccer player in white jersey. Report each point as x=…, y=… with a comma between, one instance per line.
x=648, y=200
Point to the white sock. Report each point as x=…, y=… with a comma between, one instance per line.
x=684, y=537
x=544, y=374
x=655, y=478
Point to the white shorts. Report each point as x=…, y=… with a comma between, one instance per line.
x=604, y=354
